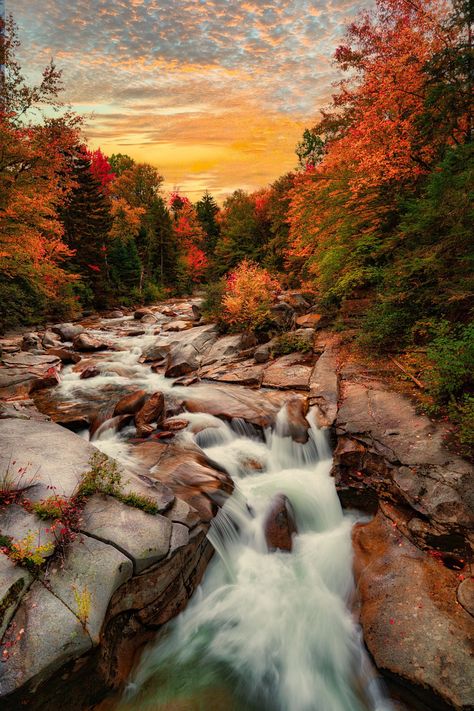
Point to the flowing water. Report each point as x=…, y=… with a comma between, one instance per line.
x=266, y=631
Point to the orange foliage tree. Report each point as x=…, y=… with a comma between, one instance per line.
x=250, y=292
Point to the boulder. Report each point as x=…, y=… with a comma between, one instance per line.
x=310, y=320
x=182, y=360
x=197, y=314
x=85, y=343
x=413, y=626
x=14, y=582
x=323, y=388
x=264, y=351
x=142, y=537
x=295, y=424
x=67, y=331
x=177, y=326
x=290, y=372
x=140, y=313
x=228, y=349
x=283, y=315
x=115, y=314
x=50, y=340
x=279, y=525
x=130, y=404
x=90, y=372
x=152, y=411
x=31, y=341
x=242, y=373
x=66, y=355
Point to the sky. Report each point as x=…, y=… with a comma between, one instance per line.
x=214, y=93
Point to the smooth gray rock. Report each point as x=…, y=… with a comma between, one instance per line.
x=14, y=582
x=290, y=372
x=67, y=331
x=18, y=524
x=52, y=635
x=31, y=361
x=94, y=569
x=144, y=538
x=51, y=455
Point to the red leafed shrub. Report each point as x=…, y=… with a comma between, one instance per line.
x=250, y=293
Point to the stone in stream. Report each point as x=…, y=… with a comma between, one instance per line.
x=182, y=360
x=50, y=340
x=139, y=314
x=67, y=331
x=31, y=341
x=83, y=342
x=323, y=388
x=177, y=326
x=295, y=425
x=413, y=626
x=152, y=411
x=66, y=355
x=279, y=525
x=130, y=404
x=90, y=372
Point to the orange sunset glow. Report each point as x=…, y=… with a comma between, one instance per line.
x=215, y=94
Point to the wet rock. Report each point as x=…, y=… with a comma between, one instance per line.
x=290, y=372
x=243, y=373
x=279, y=525
x=31, y=341
x=148, y=318
x=66, y=355
x=412, y=625
x=323, y=388
x=197, y=314
x=86, y=344
x=157, y=352
x=130, y=404
x=153, y=411
x=257, y=407
x=115, y=314
x=264, y=351
x=295, y=425
x=140, y=313
x=115, y=424
x=36, y=364
x=143, y=538
x=90, y=372
x=50, y=340
x=22, y=410
x=228, y=349
x=169, y=313
x=177, y=326
x=182, y=360
x=67, y=331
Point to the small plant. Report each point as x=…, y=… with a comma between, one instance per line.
x=54, y=507
x=291, y=342
x=83, y=604
x=26, y=552
x=13, y=481
x=462, y=414
x=145, y=503
x=103, y=477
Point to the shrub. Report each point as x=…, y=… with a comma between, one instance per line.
x=26, y=552
x=53, y=507
x=212, y=305
x=452, y=353
x=83, y=600
x=103, y=477
x=462, y=414
x=250, y=291
x=291, y=342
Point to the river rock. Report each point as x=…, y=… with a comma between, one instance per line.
x=18, y=524
x=228, y=348
x=182, y=360
x=283, y=315
x=115, y=314
x=295, y=425
x=85, y=343
x=309, y=321
x=144, y=538
x=67, y=331
x=465, y=594
x=290, y=372
x=30, y=342
x=279, y=525
x=130, y=404
x=94, y=569
x=14, y=582
x=153, y=411
x=413, y=627
x=91, y=371
x=35, y=655
x=177, y=326
x=66, y=355
x=323, y=388
x=196, y=311
x=50, y=340
x=140, y=313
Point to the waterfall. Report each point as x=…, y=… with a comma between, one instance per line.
x=266, y=630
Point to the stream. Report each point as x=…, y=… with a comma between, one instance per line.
x=266, y=630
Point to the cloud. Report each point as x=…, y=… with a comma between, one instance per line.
x=238, y=80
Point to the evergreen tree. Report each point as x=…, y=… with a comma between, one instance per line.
x=125, y=266
x=87, y=221
x=207, y=210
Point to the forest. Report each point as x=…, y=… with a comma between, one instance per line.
x=378, y=212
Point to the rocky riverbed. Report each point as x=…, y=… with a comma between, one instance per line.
x=138, y=388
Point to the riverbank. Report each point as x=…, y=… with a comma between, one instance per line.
x=140, y=387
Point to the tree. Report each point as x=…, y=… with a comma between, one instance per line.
x=207, y=211
x=120, y=162
x=87, y=222
x=239, y=237
x=310, y=150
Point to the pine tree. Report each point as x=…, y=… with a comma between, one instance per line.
x=207, y=210
x=87, y=222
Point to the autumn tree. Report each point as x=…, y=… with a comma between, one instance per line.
x=207, y=211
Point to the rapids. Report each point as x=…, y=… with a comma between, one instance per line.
x=266, y=631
